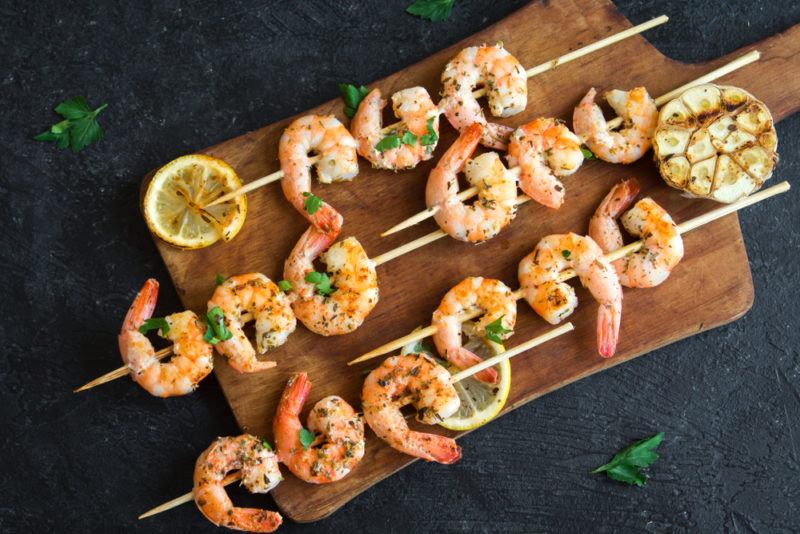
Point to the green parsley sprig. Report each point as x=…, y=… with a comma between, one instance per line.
x=495, y=329
x=321, y=282
x=79, y=128
x=433, y=10
x=624, y=466
x=155, y=323
x=306, y=438
x=352, y=97
x=312, y=203
x=216, y=330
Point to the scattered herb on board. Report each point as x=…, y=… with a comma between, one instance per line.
x=312, y=203
x=352, y=97
x=433, y=10
x=154, y=323
x=624, y=467
x=79, y=128
x=495, y=329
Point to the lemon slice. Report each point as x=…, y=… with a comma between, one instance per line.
x=173, y=203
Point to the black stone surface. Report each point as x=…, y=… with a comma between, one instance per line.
x=179, y=76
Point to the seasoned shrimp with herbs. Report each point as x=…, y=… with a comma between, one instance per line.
x=325, y=136
x=271, y=310
x=417, y=380
x=339, y=303
x=554, y=300
x=497, y=302
x=662, y=244
x=413, y=141
x=544, y=150
x=337, y=431
x=260, y=474
x=639, y=114
x=192, y=358
x=506, y=84
x=496, y=205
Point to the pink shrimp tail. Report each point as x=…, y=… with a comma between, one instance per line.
x=621, y=196
x=464, y=359
x=255, y=520
x=142, y=307
x=438, y=448
x=295, y=394
x=608, y=320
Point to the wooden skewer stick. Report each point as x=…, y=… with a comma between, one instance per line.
x=684, y=227
x=538, y=69
x=457, y=377
x=737, y=63
x=124, y=370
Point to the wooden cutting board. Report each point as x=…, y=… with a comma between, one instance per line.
x=712, y=285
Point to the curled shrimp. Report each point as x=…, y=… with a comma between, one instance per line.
x=353, y=279
x=417, y=380
x=260, y=474
x=554, y=300
x=495, y=207
x=662, y=246
x=491, y=296
x=640, y=116
x=338, y=162
x=192, y=358
x=544, y=150
x=271, y=310
x=416, y=110
x=339, y=445
x=506, y=90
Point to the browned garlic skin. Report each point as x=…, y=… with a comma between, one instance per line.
x=715, y=141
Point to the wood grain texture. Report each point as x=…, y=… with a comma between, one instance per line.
x=712, y=285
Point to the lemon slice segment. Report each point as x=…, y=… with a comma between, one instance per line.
x=173, y=204
x=480, y=402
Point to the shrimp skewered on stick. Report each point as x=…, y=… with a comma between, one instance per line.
x=431, y=211
x=683, y=227
x=457, y=377
x=538, y=69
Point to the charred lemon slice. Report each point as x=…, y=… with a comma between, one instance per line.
x=715, y=141
x=174, y=202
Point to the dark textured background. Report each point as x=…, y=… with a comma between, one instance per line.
x=184, y=75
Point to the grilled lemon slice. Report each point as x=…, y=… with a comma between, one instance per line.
x=715, y=141
x=173, y=204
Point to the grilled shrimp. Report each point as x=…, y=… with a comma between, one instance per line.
x=662, y=246
x=338, y=162
x=497, y=191
x=544, y=150
x=270, y=307
x=417, y=380
x=506, y=89
x=353, y=279
x=491, y=296
x=192, y=357
x=418, y=113
x=339, y=444
x=554, y=300
x=260, y=474
x=640, y=117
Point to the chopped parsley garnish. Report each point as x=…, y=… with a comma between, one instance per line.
x=587, y=154
x=216, y=330
x=433, y=10
x=154, y=323
x=495, y=329
x=219, y=279
x=321, y=282
x=429, y=138
x=79, y=128
x=409, y=138
x=285, y=285
x=306, y=438
x=312, y=203
x=624, y=467
x=388, y=142
x=566, y=253
x=352, y=97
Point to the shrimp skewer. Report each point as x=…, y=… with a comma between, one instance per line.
x=533, y=71
x=738, y=63
x=683, y=227
x=457, y=377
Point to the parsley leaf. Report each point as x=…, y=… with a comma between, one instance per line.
x=409, y=138
x=312, y=203
x=79, y=127
x=388, y=142
x=352, y=97
x=433, y=10
x=285, y=285
x=321, y=282
x=566, y=253
x=429, y=138
x=154, y=323
x=624, y=467
x=306, y=438
x=495, y=329
x=219, y=279
x=587, y=154
x=216, y=330
x=265, y=444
